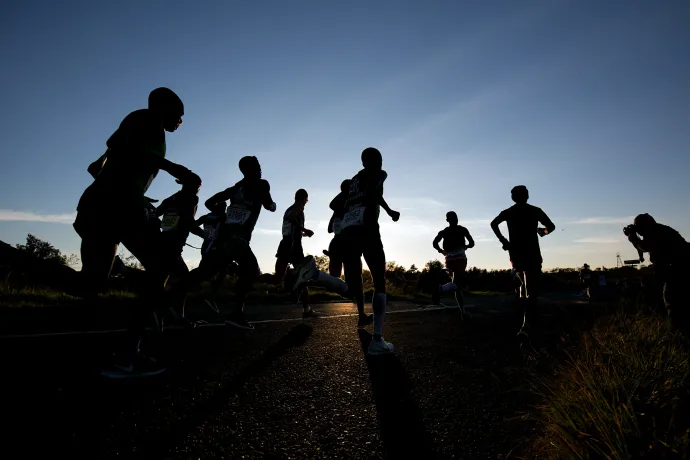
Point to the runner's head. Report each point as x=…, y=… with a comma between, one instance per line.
x=371, y=158
x=250, y=167
x=452, y=218
x=643, y=222
x=168, y=106
x=191, y=184
x=519, y=194
x=301, y=197
x=585, y=266
x=345, y=185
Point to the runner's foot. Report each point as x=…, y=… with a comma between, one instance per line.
x=140, y=366
x=380, y=347
x=306, y=314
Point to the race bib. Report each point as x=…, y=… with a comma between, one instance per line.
x=287, y=228
x=456, y=254
x=169, y=222
x=337, y=226
x=237, y=215
x=353, y=217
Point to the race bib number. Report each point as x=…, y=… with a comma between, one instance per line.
x=353, y=217
x=237, y=216
x=287, y=228
x=456, y=254
x=337, y=226
x=169, y=222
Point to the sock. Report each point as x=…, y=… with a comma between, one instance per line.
x=379, y=305
x=449, y=287
x=332, y=283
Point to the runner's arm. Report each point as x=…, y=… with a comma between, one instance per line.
x=292, y=218
x=497, y=231
x=393, y=214
x=330, y=223
x=269, y=204
x=160, y=210
x=175, y=170
x=437, y=240
x=470, y=241
x=218, y=198
x=195, y=230
x=549, y=226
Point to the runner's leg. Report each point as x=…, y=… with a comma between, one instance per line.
x=375, y=258
x=248, y=271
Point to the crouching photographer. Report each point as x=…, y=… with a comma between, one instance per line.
x=670, y=254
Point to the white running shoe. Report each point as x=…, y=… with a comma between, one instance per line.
x=307, y=272
x=380, y=347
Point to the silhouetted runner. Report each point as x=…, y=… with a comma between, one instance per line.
x=523, y=246
x=456, y=240
x=361, y=237
x=670, y=255
x=113, y=210
x=335, y=251
x=586, y=280
x=212, y=223
x=290, y=251
x=178, y=212
x=247, y=197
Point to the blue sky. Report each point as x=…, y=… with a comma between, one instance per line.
x=585, y=102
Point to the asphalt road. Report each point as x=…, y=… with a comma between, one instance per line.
x=289, y=389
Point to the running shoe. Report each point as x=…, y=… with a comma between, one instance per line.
x=380, y=347
x=306, y=272
x=310, y=314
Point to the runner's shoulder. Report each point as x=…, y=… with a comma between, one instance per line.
x=142, y=119
x=140, y=125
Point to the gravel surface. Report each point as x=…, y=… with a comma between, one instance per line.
x=287, y=390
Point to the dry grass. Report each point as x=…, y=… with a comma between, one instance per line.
x=624, y=393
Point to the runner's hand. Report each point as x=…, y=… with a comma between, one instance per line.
x=308, y=233
x=506, y=245
x=395, y=215
x=541, y=231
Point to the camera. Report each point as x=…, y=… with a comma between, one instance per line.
x=629, y=230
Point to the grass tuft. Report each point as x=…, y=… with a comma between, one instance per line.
x=623, y=393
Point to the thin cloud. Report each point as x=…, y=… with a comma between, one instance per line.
x=604, y=221
x=9, y=215
x=414, y=203
x=599, y=240
x=267, y=231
